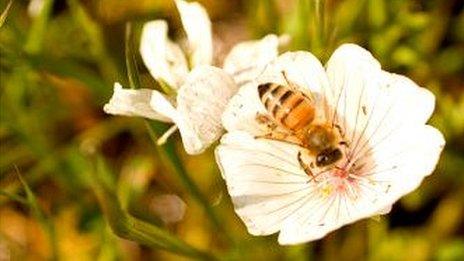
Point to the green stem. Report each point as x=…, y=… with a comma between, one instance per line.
x=128, y=227
x=131, y=65
x=318, y=27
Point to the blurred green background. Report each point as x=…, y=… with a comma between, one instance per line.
x=67, y=170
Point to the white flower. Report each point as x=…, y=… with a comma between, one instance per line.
x=201, y=93
x=382, y=117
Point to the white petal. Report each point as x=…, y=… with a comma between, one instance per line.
x=369, y=103
x=301, y=68
x=396, y=171
x=247, y=59
x=406, y=157
x=264, y=179
x=385, y=210
x=163, y=58
x=129, y=102
x=163, y=105
x=198, y=28
x=200, y=104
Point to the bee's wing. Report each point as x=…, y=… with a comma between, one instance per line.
x=303, y=72
x=301, y=68
x=200, y=103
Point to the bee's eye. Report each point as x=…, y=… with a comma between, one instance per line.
x=327, y=157
x=322, y=159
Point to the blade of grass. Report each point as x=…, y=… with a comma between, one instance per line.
x=168, y=152
x=13, y=197
x=37, y=212
x=126, y=226
x=5, y=13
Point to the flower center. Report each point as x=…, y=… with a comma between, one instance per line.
x=340, y=172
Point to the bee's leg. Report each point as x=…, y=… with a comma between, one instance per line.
x=272, y=126
x=264, y=119
x=279, y=136
x=305, y=166
x=343, y=142
x=274, y=133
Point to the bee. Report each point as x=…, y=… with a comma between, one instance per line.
x=295, y=113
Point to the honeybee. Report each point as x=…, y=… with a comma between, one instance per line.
x=295, y=113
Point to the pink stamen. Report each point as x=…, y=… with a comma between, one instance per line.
x=341, y=172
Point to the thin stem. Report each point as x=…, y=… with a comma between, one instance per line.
x=45, y=221
x=164, y=138
x=131, y=65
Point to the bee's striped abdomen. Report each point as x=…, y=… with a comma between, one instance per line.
x=288, y=107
